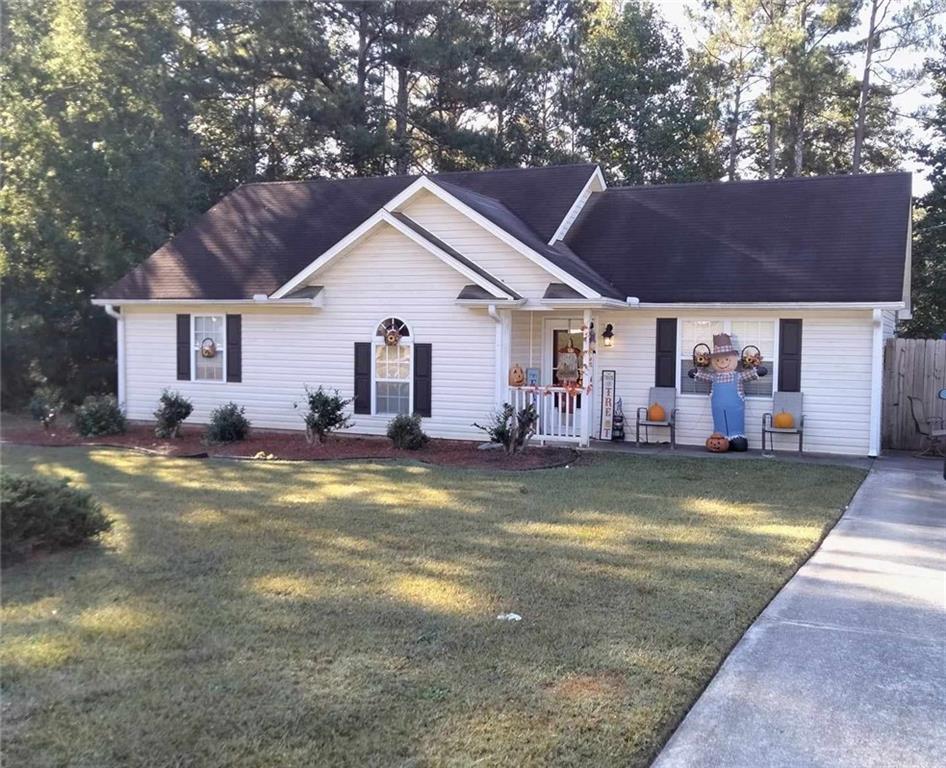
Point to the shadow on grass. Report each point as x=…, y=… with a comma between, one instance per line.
x=344, y=614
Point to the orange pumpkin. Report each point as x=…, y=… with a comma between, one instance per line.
x=656, y=412
x=517, y=377
x=717, y=443
x=783, y=420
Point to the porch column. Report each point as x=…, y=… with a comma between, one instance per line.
x=587, y=379
x=503, y=347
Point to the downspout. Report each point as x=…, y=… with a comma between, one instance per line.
x=876, y=383
x=120, y=356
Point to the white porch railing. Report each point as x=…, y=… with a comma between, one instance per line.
x=559, y=410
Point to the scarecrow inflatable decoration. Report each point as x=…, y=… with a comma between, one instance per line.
x=727, y=374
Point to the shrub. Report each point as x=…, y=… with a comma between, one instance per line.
x=173, y=408
x=99, y=415
x=46, y=404
x=228, y=424
x=44, y=513
x=325, y=414
x=406, y=432
x=510, y=429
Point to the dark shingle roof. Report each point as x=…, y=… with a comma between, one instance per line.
x=261, y=235
x=823, y=239
x=837, y=238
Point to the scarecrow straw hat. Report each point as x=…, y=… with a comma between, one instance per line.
x=722, y=346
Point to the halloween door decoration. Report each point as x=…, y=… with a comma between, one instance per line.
x=517, y=376
x=727, y=373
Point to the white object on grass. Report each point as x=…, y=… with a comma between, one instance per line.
x=509, y=617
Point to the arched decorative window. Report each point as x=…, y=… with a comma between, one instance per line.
x=393, y=367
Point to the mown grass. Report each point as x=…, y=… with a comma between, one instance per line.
x=251, y=614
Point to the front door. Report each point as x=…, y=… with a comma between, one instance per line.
x=567, y=359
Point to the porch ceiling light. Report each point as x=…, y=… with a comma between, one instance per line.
x=608, y=335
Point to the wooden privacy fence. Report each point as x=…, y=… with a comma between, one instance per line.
x=912, y=367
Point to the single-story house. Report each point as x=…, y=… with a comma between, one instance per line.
x=437, y=293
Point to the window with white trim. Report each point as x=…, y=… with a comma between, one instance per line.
x=393, y=368
x=759, y=333
x=209, y=335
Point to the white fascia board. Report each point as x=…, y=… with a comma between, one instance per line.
x=590, y=303
x=770, y=305
x=484, y=303
x=595, y=183
x=314, y=302
x=423, y=183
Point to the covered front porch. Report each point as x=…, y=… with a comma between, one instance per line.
x=545, y=357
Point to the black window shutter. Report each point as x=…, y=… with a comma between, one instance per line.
x=234, y=347
x=184, y=347
x=362, y=377
x=665, y=374
x=423, y=379
x=789, y=356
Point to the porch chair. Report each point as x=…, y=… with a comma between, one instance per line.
x=789, y=402
x=929, y=427
x=666, y=397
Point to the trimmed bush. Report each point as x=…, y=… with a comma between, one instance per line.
x=511, y=429
x=45, y=513
x=228, y=424
x=325, y=414
x=173, y=408
x=99, y=415
x=406, y=432
x=46, y=404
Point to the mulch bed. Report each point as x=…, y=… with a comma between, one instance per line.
x=269, y=445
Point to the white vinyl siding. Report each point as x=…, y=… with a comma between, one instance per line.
x=385, y=275
x=522, y=275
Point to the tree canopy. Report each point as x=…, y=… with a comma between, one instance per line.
x=121, y=122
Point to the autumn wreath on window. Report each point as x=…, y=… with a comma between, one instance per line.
x=208, y=347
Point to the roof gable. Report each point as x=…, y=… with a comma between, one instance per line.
x=261, y=235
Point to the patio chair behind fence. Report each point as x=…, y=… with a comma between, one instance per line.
x=917, y=368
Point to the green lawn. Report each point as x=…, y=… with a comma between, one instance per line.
x=251, y=614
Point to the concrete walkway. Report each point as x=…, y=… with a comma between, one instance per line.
x=847, y=665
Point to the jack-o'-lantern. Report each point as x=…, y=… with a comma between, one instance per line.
x=783, y=420
x=717, y=443
x=517, y=376
x=656, y=412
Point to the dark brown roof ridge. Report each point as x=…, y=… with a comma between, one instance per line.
x=783, y=180
x=428, y=174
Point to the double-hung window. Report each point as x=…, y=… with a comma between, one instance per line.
x=393, y=371
x=209, y=333
x=758, y=333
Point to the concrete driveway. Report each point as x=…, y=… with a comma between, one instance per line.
x=847, y=665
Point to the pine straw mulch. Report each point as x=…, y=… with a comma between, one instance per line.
x=292, y=446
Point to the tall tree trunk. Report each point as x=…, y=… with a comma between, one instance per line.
x=771, y=137
x=402, y=159
x=734, y=134
x=865, y=90
x=798, y=154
